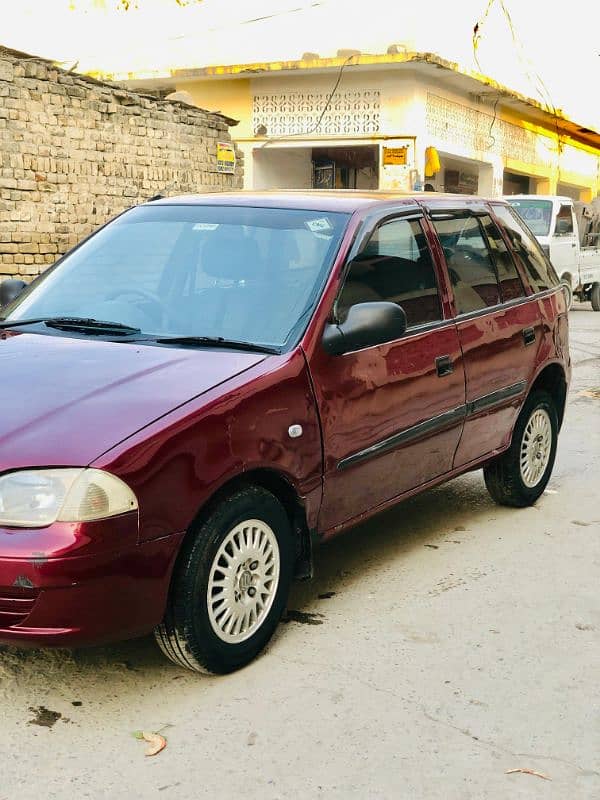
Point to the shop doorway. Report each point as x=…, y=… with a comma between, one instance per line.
x=461, y=176
x=345, y=167
x=514, y=183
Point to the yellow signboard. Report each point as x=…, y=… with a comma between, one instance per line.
x=394, y=156
x=225, y=157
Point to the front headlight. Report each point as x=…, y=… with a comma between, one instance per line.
x=35, y=498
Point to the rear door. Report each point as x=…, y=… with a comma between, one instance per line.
x=391, y=414
x=498, y=327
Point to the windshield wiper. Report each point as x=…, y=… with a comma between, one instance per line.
x=83, y=324
x=218, y=341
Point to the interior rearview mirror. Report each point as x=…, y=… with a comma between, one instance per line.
x=9, y=289
x=366, y=324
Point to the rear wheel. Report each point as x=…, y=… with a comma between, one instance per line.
x=521, y=474
x=230, y=585
x=595, y=296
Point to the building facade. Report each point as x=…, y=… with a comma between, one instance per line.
x=371, y=122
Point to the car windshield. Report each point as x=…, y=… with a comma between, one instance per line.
x=536, y=213
x=240, y=273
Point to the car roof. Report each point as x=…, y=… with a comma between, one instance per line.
x=341, y=200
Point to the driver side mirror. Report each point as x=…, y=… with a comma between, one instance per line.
x=10, y=289
x=366, y=325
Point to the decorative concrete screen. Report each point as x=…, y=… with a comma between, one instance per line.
x=478, y=130
x=295, y=113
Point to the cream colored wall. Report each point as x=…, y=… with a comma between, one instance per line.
x=231, y=97
x=403, y=102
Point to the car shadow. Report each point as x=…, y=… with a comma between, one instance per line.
x=341, y=564
x=425, y=520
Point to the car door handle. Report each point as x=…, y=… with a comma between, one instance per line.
x=528, y=336
x=444, y=366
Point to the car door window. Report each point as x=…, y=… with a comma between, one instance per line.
x=395, y=266
x=470, y=265
x=511, y=285
x=539, y=270
x=564, y=221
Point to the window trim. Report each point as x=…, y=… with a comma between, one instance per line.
x=372, y=224
x=509, y=304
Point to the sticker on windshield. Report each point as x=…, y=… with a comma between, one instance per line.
x=320, y=225
x=206, y=226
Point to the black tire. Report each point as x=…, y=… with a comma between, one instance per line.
x=186, y=635
x=565, y=282
x=503, y=477
x=595, y=296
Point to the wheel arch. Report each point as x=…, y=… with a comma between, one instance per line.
x=280, y=487
x=552, y=379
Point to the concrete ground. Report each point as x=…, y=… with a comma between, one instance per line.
x=442, y=644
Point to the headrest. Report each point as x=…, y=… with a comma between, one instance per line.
x=229, y=254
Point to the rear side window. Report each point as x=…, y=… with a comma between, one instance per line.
x=511, y=285
x=396, y=266
x=539, y=271
x=470, y=263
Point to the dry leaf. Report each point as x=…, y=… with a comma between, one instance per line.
x=528, y=772
x=156, y=742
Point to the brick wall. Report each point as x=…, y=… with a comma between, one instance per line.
x=74, y=152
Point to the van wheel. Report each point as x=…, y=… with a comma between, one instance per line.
x=565, y=283
x=230, y=585
x=521, y=474
x=595, y=296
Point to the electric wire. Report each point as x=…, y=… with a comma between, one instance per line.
x=315, y=127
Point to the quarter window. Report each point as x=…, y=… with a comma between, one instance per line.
x=470, y=264
x=395, y=266
x=539, y=270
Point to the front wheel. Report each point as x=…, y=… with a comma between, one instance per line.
x=595, y=296
x=568, y=290
x=522, y=473
x=230, y=584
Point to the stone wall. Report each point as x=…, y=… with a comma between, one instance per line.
x=74, y=152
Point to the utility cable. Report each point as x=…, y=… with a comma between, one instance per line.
x=315, y=127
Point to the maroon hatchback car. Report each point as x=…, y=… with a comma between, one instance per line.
x=209, y=385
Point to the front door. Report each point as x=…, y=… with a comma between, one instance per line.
x=391, y=414
x=498, y=327
x=563, y=242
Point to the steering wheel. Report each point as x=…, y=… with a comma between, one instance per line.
x=157, y=314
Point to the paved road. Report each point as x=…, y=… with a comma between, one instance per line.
x=442, y=644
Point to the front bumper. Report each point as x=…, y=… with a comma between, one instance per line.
x=53, y=597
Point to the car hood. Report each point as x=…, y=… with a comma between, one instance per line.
x=65, y=401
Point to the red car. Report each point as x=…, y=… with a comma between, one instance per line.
x=209, y=385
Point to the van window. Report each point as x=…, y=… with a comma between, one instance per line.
x=564, y=221
x=470, y=265
x=536, y=213
x=538, y=269
x=395, y=266
x=511, y=285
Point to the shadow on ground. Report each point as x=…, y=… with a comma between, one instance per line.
x=340, y=566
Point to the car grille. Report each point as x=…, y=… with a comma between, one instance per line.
x=15, y=605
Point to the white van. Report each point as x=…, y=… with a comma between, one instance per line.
x=569, y=233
